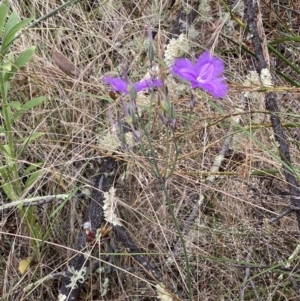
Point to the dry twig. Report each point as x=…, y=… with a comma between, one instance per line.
x=272, y=107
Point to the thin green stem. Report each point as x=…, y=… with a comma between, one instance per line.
x=186, y=258
x=163, y=179
x=5, y=111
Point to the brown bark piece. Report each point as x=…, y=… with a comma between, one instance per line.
x=64, y=63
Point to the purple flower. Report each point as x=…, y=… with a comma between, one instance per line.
x=205, y=73
x=121, y=86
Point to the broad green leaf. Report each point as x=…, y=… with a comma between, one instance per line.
x=27, y=140
x=33, y=102
x=2, y=147
x=33, y=227
x=11, y=57
x=13, y=68
x=18, y=113
x=8, y=155
x=8, y=116
x=32, y=137
x=4, y=173
x=15, y=104
x=3, y=14
x=12, y=21
x=10, y=35
x=20, y=61
x=9, y=74
x=6, y=66
x=31, y=168
x=29, y=105
x=10, y=191
x=6, y=87
x=25, y=56
x=33, y=177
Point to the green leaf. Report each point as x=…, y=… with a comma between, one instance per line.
x=33, y=227
x=29, y=105
x=3, y=14
x=11, y=57
x=33, y=177
x=33, y=102
x=11, y=22
x=15, y=104
x=10, y=32
x=20, y=61
x=27, y=140
x=7, y=117
x=2, y=146
x=13, y=68
x=4, y=172
x=32, y=137
x=6, y=87
x=25, y=56
x=31, y=168
x=8, y=155
x=10, y=191
x=6, y=66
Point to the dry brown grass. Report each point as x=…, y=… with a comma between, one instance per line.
x=232, y=220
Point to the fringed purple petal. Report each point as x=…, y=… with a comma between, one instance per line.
x=120, y=85
x=147, y=84
x=216, y=87
x=185, y=69
x=209, y=67
x=117, y=84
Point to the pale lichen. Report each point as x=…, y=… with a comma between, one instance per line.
x=252, y=79
x=104, y=287
x=61, y=297
x=109, y=141
x=77, y=276
x=193, y=33
x=266, y=77
x=204, y=11
x=228, y=27
x=109, y=207
x=228, y=24
x=256, y=98
x=162, y=293
x=239, y=8
x=176, y=88
x=177, y=48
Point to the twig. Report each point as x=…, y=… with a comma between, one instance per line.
x=281, y=215
x=35, y=201
x=272, y=107
x=247, y=275
x=286, y=266
x=123, y=236
x=255, y=290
